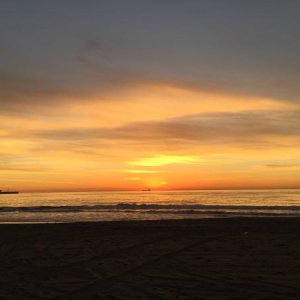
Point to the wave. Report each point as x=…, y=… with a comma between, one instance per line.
x=160, y=208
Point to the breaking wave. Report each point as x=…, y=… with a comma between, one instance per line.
x=184, y=209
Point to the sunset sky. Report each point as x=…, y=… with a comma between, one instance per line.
x=169, y=94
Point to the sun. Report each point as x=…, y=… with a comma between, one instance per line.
x=155, y=182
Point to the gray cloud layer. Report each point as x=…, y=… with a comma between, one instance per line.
x=50, y=51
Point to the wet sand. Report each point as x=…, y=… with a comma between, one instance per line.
x=241, y=258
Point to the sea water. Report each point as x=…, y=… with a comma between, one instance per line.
x=147, y=205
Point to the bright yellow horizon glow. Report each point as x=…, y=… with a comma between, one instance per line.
x=139, y=171
x=161, y=160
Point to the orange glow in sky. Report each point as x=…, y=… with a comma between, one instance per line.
x=207, y=140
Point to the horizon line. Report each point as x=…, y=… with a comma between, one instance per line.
x=160, y=190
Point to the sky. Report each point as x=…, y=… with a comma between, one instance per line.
x=169, y=94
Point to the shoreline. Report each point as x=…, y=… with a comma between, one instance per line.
x=217, y=258
x=152, y=220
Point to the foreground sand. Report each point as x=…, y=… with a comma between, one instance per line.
x=193, y=259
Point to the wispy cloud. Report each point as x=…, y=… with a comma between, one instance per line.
x=22, y=168
x=244, y=128
x=134, y=178
x=283, y=166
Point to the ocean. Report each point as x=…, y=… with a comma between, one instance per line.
x=148, y=205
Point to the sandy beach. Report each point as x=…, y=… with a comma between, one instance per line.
x=241, y=258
